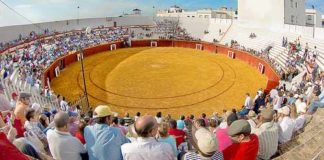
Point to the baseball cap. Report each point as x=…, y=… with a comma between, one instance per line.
x=102, y=111
x=206, y=141
x=239, y=126
x=14, y=94
x=24, y=95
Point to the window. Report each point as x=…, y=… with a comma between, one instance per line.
x=292, y=3
x=296, y=4
x=309, y=17
x=206, y=16
x=292, y=19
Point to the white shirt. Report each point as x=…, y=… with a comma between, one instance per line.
x=277, y=102
x=64, y=106
x=64, y=146
x=147, y=148
x=247, y=103
x=300, y=121
x=159, y=119
x=286, y=128
x=300, y=107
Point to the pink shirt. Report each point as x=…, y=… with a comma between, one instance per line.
x=224, y=140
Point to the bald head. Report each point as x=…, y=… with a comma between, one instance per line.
x=145, y=126
x=61, y=119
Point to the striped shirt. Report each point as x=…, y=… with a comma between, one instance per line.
x=268, y=134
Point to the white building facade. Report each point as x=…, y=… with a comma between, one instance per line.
x=176, y=11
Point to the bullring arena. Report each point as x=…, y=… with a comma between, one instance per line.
x=243, y=81
x=162, y=79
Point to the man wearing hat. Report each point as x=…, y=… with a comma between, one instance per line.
x=267, y=132
x=4, y=102
x=245, y=145
x=286, y=125
x=104, y=142
x=206, y=145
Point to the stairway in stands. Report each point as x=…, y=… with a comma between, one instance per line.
x=308, y=144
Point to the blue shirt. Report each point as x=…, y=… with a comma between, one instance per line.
x=170, y=140
x=321, y=97
x=180, y=124
x=104, y=142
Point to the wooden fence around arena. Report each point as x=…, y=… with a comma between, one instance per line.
x=254, y=61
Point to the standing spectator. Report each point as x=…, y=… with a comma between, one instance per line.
x=204, y=117
x=146, y=146
x=245, y=145
x=115, y=123
x=20, y=109
x=158, y=117
x=61, y=143
x=14, y=99
x=178, y=134
x=165, y=137
x=138, y=114
x=64, y=105
x=103, y=142
x=286, y=125
x=180, y=122
x=4, y=102
x=267, y=133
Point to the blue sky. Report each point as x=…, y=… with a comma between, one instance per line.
x=51, y=10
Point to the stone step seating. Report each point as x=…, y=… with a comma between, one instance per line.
x=308, y=144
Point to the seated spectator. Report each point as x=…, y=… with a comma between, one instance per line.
x=245, y=145
x=43, y=120
x=300, y=104
x=224, y=140
x=212, y=126
x=8, y=150
x=165, y=137
x=128, y=120
x=146, y=147
x=178, y=134
x=286, y=125
x=180, y=122
x=115, y=123
x=31, y=125
x=206, y=145
x=61, y=143
x=131, y=134
x=252, y=118
x=4, y=102
x=267, y=132
x=317, y=103
x=204, y=117
x=73, y=126
x=300, y=120
x=103, y=142
x=80, y=133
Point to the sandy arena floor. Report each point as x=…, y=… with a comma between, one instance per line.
x=172, y=80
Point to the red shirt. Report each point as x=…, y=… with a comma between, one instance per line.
x=8, y=150
x=243, y=151
x=79, y=136
x=178, y=135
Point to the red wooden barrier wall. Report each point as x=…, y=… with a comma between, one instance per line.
x=272, y=77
